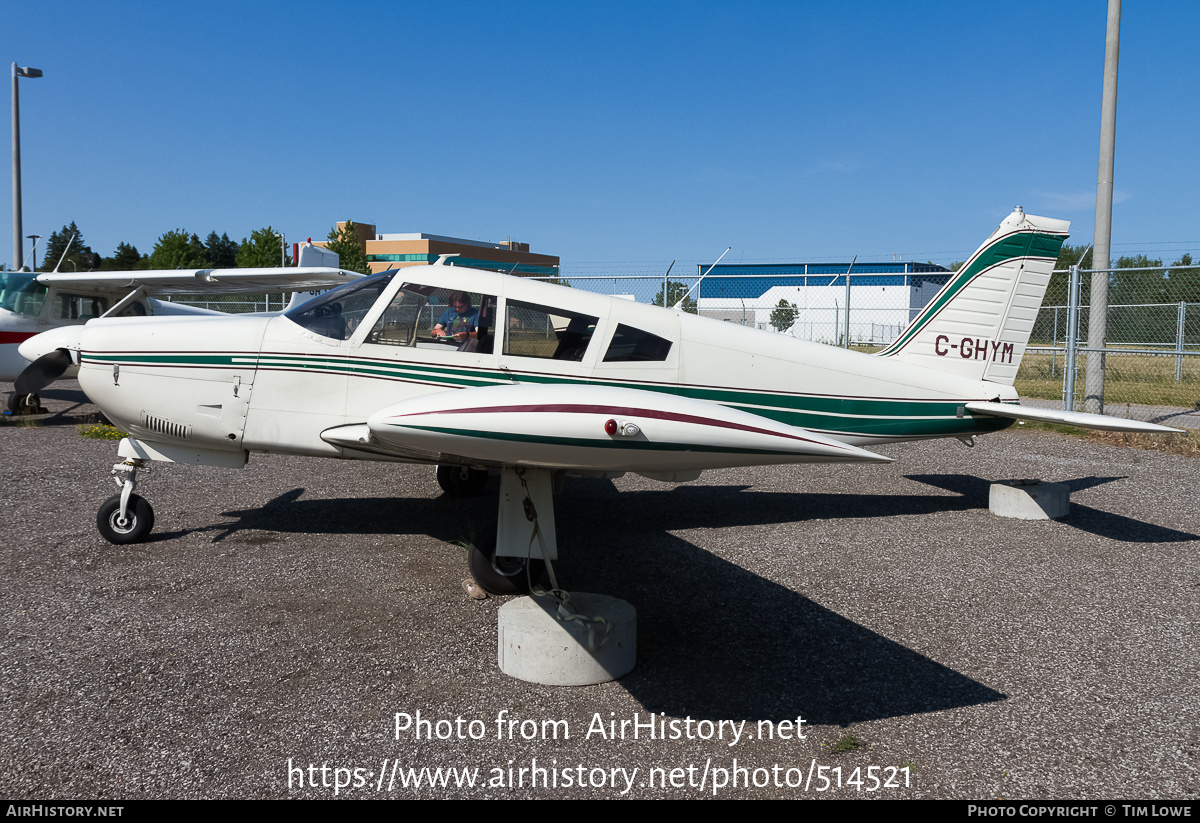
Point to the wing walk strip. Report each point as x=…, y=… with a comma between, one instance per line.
x=863, y=417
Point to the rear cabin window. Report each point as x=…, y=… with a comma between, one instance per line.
x=547, y=332
x=630, y=345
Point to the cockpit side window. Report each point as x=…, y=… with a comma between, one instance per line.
x=547, y=332
x=335, y=314
x=437, y=318
x=631, y=345
x=80, y=307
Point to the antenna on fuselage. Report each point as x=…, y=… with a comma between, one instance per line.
x=442, y=258
x=67, y=249
x=701, y=277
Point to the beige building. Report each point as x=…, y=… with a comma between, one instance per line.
x=393, y=251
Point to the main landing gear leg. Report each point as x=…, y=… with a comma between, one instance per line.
x=506, y=561
x=125, y=517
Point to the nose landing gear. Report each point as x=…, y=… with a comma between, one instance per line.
x=125, y=518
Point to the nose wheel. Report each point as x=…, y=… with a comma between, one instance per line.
x=131, y=527
x=125, y=518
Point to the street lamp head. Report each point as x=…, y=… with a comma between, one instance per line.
x=26, y=71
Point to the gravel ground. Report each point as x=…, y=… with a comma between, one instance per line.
x=284, y=614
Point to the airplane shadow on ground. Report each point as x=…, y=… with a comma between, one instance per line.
x=975, y=491
x=714, y=640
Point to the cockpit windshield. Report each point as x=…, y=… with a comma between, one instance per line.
x=337, y=313
x=21, y=293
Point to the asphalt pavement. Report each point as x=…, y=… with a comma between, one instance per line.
x=806, y=631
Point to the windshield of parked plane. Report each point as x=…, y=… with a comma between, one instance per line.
x=337, y=313
x=21, y=293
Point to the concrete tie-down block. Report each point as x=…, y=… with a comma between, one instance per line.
x=595, y=642
x=1029, y=499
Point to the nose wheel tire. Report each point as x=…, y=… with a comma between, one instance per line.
x=461, y=481
x=501, y=575
x=134, y=528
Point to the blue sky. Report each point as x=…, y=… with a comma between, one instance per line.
x=618, y=136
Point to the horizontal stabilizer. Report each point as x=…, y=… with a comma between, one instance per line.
x=1103, y=422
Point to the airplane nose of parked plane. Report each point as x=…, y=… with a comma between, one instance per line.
x=64, y=337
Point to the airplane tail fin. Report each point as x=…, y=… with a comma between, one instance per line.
x=979, y=323
x=310, y=255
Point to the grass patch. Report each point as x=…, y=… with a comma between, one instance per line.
x=101, y=431
x=1147, y=380
x=1186, y=443
x=845, y=744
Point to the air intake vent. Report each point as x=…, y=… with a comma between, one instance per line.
x=160, y=425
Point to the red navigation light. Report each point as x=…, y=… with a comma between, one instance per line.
x=611, y=427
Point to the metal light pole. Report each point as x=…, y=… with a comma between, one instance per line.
x=33, y=249
x=18, y=71
x=1093, y=400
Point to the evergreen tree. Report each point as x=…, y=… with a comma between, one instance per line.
x=125, y=258
x=222, y=252
x=352, y=255
x=178, y=250
x=676, y=290
x=79, y=258
x=261, y=250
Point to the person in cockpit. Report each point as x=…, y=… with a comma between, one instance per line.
x=460, y=320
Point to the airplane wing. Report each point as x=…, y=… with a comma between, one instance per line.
x=200, y=281
x=1088, y=421
x=586, y=427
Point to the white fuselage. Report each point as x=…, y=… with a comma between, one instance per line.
x=270, y=384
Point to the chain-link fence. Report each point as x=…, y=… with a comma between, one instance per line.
x=236, y=303
x=1151, y=353
x=1151, y=357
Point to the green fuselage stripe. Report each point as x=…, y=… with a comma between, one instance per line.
x=880, y=417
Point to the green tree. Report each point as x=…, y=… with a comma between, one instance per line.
x=262, y=250
x=783, y=316
x=178, y=250
x=221, y=251
x=675, y=291
x=352, y=255
x=79, y=258
x=125, y=258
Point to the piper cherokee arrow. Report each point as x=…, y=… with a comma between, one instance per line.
x=470, y=370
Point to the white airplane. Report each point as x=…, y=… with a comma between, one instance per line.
x=34, y=302
x=470, y=370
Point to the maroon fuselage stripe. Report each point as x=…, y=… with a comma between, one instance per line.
x=579, y=408
x=13, y=337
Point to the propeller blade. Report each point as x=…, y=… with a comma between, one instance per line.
x=42, y=372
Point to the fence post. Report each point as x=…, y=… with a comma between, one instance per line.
x=1179, y=341
x=1072, y=335
x=1054, y=343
